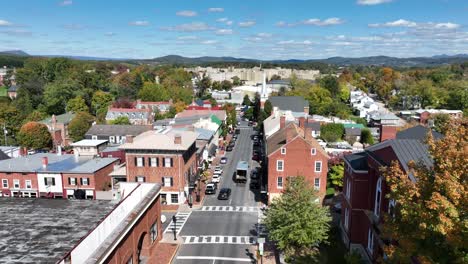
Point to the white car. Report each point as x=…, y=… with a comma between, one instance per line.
x=218, y=170
x=216, y=178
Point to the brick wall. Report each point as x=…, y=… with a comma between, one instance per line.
x=22, y=177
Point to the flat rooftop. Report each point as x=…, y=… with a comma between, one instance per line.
x=89, y=143
x=44, y=230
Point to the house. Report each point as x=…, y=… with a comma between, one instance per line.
x=3, y=156
x=365, y=192
x=58, y=128
x=314, y=128
x=115, y=134
x=89, y=147
x=162, y=107
x=418, y=132
x=82, y=231
x=206, y=143
x=272, y=123
x=135, y=116
x=352, y=134
x=291, y=103
x=425, y=116
x=221, y=114
x=55, y=175
x=163, y=156
x=12, y=91
x=292, y=151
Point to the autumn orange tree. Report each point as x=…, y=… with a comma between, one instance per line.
x=431, y=220
x=34, y=135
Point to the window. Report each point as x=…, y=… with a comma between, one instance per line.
x=378, y=197
x=279, y=165
x=28, y=184
x=283, y=151
x=153, y=162
x=317, y=183
x=154, y=231
x=391, y=207
x=118, y=139
x=313, y=151
x=348, y=188
x=4, y=183
x=168, y=181
x=84, y=181
x=168, y=162
x=346, y=219
x=72, y=181
x=112, y=139
x=16, y=184
x=163, y=198
x=49, y=181
x=318, y=166
x=140, y=179
x=140, y=162
x=174, y=198
x=94, y=137
x=280, y=182
x=370, y=241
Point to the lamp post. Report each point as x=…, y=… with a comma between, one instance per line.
x=174, y=220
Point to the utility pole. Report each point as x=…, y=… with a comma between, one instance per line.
x=5, y=132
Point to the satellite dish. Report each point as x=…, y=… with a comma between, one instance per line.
x=163, y=219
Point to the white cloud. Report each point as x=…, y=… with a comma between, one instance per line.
x=109, y=34
x=187, y=37
x=280, y=24
x=66, y=3
x=4, y=23
x=396, y=23
x=264, y=35
x=229, y=22
x=295, y=42
x=327, y=22
x=373, y=2
x=17, y=33
x=187, y=13
x=140, y=23
x=412, y=24
x=447, y=25
x=209, y=42
x=224, y=20
x=190, y=27
x=73, y=26
x=247, y=23
x=216, y=9
x=224, y=31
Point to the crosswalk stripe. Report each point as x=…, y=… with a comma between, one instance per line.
x=240, y=240
x=247, y=209
x=181, y=219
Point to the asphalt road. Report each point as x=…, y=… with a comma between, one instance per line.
x=224, y=231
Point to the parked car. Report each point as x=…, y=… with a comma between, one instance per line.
x=224, y=194
x=250, y=123
x=229, y=148
x=255, y=157
x=223, y=160
x=254, y=184
x=254, y=175
x=256, y=144
x=218, y=170
x=210, y=188
x=216, y=178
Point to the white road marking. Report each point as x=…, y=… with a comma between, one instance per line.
x=181, y=220
x=245, y=209
x=238, y=240
x=213, y=258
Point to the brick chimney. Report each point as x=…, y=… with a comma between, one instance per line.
x=282, y=121
x=178, y=139
x=45, y=162
x=128, y=139
x=301, y=122
x=387, y=132
x=306, y=109
x=54, y=122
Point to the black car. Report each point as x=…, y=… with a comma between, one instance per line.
x=254, y=175
x=256, y=144
x=254, y=184
x=224, y=194
x=229, y=148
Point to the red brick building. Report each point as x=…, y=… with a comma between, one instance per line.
x=163, y=156
x=364, y=202
x=58, y=128
x=292, y=151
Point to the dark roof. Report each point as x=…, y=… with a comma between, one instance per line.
x=292, y=103
x=314, y=126
x=44, y=230
x=358, y=161
x=3, y=156
x=117, y=130
x=352, y=131
x=13, y=88
x=418, y=132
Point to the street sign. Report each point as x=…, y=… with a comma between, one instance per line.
x=260, y=248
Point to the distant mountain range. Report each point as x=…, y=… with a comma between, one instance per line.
x=339, y=61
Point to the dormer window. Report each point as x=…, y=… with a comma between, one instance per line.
x=313, y=151
x=283, y=151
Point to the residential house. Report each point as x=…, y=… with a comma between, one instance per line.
x=127, y=230
x=89, y=147
x=115, y=134
x=418, y=132
x=292, y=151
x=365, y=191
x=386, y=123
x=221, y=114
x=58, y=128
x=314, y=128
x=12, y=91
x=163, y=156
x=425, y=116
x=55, y=175
x=161, y=107
x=352, y=134
x=135, y=116
x=291, y=103
x=272, y=123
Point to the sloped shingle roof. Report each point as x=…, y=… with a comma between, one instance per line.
x=117, y=130
x=418, y=132
x=292, y=103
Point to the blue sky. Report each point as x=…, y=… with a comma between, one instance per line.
x=261, y=29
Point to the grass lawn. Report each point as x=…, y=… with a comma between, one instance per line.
x=3, y=90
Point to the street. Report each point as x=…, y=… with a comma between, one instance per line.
x=224, y=231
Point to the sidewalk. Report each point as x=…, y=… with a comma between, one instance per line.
x=163, y=253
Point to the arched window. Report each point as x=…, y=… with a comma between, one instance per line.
x=378, y=197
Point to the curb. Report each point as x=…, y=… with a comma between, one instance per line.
x=175, y=253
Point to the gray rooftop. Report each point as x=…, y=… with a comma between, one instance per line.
x=117, y=130
x=314, y=126
x=65, y=163
x=358, y=161
x=292, y=103
x=44, y=230
x=3, y=156
x=61, y=119
x=354, y=131
x=418, y=132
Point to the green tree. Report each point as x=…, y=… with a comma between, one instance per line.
x=336, y=175
x=441, y=123
x=268, y=107
x=33, y=135
x=101, y=100
x=121, y=120
x=216, y=85
x=249, y=113
x=153, y=92
x=331, y=83
x=246, y=101
x=366, y=137
x=296, y=222
x=76, y=105
x=36, y=116
x=12, y=119
x=203, y=85
x=226, y=85
x=236, y=81
x=57, y=94
x=332, y=132
x=171, y=113
x=79, y=125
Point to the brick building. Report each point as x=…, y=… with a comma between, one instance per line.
x=126, y=231
x=58, y=128
x=115, y=134
x=163, y=156
x=364, y=202
x=292, y=151
x=135, y=116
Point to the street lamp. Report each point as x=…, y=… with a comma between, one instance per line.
x=174, y=219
